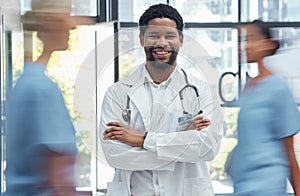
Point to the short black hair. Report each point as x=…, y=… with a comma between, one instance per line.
x=160, y=11
x=263, y=27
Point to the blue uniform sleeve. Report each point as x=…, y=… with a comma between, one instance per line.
x=54, y=127
x=288, y=116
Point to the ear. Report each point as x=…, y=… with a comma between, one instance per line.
x=268, y=44
x=181, y=39
x=142, y=40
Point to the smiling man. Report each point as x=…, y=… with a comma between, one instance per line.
x=161, y=42
x=159, y=141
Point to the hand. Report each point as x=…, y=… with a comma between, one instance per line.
x=124, y=133
x=198, y=123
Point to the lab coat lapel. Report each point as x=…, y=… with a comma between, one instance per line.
x=139, y=99
x=137, y=93
x=165, y=105
x=177, y=82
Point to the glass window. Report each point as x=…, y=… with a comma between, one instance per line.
x=105, y=77
x=25, y=5
x=286, y=60
x=191, y=10
x=270, y=10
x=222, y=183
x=218, y=44
x=131, y=10
x=288, y=37
x=131, y=54
x=79, y=8
x=11, y=15
x=218, y=47
x=207, y=11
x=84, y=8
x=17, y=59
x=2, y=103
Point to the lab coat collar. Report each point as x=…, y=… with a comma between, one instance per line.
x=176, y=81
x=137, y=93
x=148, y=78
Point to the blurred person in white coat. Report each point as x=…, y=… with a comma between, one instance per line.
x=160, y=126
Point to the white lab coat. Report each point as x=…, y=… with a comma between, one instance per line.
x=179, y=158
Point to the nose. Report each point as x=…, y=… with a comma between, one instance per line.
x=162, y=41
x=71, y=23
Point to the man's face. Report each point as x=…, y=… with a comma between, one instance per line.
x=161, y=42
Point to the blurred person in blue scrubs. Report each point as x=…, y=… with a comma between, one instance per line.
x=268, y=119
x=41, y=142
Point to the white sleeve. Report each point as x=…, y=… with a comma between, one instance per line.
x=192, y=145
x=120, y=155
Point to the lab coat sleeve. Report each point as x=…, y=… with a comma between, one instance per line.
x=191, y=146
x=120, y=155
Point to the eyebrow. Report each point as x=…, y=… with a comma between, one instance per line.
x=152, y=32
x=156, y=32
x=173, y=33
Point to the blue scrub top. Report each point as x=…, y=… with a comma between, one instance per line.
x=37, y=122
x=268, y=114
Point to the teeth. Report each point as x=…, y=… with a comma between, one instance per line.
x=161, y=53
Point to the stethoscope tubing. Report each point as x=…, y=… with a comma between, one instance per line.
x=126, y=113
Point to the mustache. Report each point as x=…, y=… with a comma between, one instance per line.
x=151, y=49
x=150, y=56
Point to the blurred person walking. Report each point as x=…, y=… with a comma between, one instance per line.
x=41, y=142
x=268, y=119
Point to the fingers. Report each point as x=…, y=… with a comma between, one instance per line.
x=198, y=118
x=201, y=123
x=112, y=129
x=116, y=124
x=111, y=132
x=201, y=120
x=117, y=131
x=113, y=135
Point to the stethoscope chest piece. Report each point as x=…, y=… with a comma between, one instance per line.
x=126, y=113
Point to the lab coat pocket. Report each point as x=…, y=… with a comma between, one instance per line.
x=117, y=189
x=197, y=186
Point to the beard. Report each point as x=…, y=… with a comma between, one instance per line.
x=160, y=65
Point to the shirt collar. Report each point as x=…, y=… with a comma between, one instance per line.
x=148, y=79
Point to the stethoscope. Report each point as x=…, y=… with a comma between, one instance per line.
x=126, y=113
